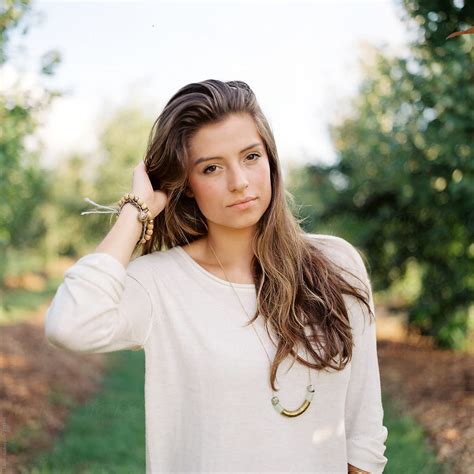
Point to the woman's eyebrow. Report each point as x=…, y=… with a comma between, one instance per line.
x=201, y=160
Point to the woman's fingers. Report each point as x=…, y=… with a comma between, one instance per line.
x=141, y=185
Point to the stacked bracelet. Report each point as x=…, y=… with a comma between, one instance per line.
x=144, y=216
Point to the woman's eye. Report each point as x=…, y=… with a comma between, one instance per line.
x=205, y=169
x=213, y=166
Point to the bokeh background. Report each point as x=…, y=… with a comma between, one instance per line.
x=372, y=106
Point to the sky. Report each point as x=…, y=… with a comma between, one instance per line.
x=299, y=57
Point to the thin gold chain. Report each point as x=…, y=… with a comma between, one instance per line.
x=253, y=327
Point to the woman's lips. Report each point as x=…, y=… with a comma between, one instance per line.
x=244, y=205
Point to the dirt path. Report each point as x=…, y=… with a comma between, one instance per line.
x=434, y=386
x=437, y=389
x=40, y=383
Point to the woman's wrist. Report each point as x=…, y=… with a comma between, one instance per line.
x=130, y=213
x=122, y=238
x=144, y=216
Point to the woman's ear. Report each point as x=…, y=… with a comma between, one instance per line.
x=188, y=192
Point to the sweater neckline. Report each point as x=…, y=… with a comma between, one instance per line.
x=193, y=263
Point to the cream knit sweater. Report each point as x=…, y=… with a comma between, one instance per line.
x=207, y=396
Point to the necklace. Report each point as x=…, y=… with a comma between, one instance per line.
x=275, y=400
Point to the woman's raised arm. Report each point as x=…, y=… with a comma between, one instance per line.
x=103, y=304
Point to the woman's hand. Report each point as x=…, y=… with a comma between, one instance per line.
x=141, y=186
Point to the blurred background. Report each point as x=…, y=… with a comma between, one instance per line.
x=372, y=106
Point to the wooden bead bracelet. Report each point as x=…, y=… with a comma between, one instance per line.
x=144, y=216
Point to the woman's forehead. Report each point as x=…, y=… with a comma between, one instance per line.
x=223, y=143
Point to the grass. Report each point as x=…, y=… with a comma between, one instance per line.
x=407, y=449
x=106, y=435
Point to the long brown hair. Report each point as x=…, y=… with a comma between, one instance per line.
x=299, y=289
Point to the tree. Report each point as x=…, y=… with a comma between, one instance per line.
x=123, y=142
x=403, y=183
x=65, y=231
x=23, y=183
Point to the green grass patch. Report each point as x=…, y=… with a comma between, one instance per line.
x=106, y=435
x=407, y=449
x=25, y=437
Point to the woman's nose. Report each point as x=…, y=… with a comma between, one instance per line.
x=238, y=180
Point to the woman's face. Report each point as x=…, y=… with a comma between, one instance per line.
x=239, y=168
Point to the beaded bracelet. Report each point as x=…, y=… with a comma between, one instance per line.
x=144, y=216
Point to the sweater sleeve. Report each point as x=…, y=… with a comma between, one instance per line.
x=365, y=432
x=101, y=306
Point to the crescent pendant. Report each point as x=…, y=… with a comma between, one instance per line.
x=303, y=407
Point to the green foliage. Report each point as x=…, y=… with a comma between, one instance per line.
x=12, y=15
x=123, y=141
x=41, y=208
x=19, y=303
x=403, y=187
x=104, y=179
x=62, y=211
x=23, y=182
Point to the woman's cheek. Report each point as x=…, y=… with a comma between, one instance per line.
x=209, y=198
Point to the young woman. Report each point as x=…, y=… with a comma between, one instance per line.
x=297, y=389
